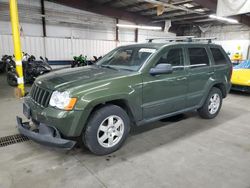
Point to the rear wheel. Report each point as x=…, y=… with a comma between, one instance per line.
x=212, y=105
x=106, y=130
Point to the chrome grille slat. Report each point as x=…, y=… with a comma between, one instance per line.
x=47, y=100
x=36, y=92
x=40, y=96
x=44, y=97
x=39, y=99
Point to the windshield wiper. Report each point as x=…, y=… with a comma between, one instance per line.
x=127, y=69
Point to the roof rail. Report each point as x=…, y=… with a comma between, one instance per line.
x=182, y=38
x=209, y=39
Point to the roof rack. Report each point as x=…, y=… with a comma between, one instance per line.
x=182, y=38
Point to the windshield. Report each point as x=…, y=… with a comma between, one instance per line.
x=127, y=58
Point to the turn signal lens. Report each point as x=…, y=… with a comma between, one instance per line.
x=71, y=104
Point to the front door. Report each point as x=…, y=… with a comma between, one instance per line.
x=165, y=93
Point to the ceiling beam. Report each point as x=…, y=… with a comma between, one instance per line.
x=105, y=10
x=210, y=4
x=172, y=13
x=190, y=17
x=167, y=9
x=110, y=2
x=134, y=5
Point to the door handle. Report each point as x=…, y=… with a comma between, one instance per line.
x=180, y=79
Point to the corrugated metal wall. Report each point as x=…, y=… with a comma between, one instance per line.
x=58, y=48
x=69, y=31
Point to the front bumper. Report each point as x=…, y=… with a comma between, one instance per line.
x=68, y=123
x=45, y=135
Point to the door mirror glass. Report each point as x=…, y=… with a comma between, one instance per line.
x=161, y=68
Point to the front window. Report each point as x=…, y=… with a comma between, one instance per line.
x=127, y=58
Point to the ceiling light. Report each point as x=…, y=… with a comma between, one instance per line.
x=230, y=20
x=139, y=27
x=199, y=10
x=188, y=5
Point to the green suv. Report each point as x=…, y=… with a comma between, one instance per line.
x=130, y=86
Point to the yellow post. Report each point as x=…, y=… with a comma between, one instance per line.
x=17, y=45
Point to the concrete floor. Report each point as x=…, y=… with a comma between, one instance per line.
x=185, y=151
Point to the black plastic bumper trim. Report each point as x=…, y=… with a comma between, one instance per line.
x=45, y=135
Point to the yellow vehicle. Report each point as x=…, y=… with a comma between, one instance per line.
x=241, y=77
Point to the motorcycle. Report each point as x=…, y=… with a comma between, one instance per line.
x=31, y=70
x=3, y=63
x=79, y=61
x=7, y=60
x=82, y=61
x=97, y=58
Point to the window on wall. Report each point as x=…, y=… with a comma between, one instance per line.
x=198, y=57
x=173, y=57
x=219, y=58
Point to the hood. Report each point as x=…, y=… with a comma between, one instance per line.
x=73, y=77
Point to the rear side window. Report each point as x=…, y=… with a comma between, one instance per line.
x=219, y=58
x=198, y=57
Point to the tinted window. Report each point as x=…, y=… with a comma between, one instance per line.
x=198, y=57
x=173, y=57
x=128, y=58
x=219, y=58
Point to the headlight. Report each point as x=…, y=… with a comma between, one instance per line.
x=62, y=100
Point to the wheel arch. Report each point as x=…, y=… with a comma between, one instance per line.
x=123, y=103
x=218, y=85
x=222, y=88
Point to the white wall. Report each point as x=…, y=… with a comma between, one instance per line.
x=58, y=48
x=229, y=36
x=69, y=31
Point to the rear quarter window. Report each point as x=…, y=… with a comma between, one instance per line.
x=218, y=56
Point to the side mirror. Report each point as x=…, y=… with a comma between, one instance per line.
x=41, y=58
x=161, y=68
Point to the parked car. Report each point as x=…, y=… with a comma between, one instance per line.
x=241, y=77
x=130, y=86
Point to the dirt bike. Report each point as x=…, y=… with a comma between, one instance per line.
x=82, y=61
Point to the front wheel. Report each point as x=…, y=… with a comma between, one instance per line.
x=106, y=130
x=11, y=79
x=212, y=105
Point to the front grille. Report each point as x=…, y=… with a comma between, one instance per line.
x=40, y=95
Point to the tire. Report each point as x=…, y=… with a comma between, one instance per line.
x=98, y=135
x=212, y=105
x=11, y=79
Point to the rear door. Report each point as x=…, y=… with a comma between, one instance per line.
x=200, y=71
